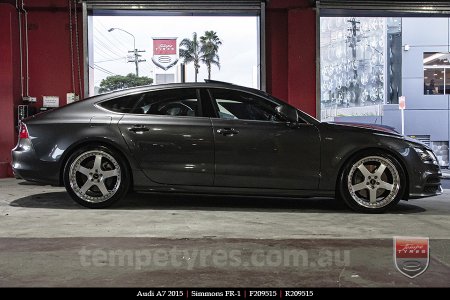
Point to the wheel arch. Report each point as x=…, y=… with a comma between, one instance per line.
x=96, y=143
x=388, y=151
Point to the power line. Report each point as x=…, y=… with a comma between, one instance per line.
x=107, y=42
x=105, y=55
x=113, y=36
x=103, y=69
x=114, y=59
x=106, y=47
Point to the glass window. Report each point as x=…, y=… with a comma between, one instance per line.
x=176, y=102
x=122, y=104
x=113, y=35
x=244, y=106
x=360, y=61
x=436, y=73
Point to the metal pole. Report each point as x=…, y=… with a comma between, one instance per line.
x=135, y=51
x=136, y=61
x=136, y=57
x=403, y=122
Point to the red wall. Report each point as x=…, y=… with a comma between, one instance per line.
x=291, y=52
x=49, y=48
x=9, y=84
x=49, y=63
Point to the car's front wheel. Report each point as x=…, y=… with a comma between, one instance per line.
x=372, y=182
x=96, y=177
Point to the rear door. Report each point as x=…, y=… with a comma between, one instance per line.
x=169, y=137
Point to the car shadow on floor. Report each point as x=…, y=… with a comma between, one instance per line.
x=135, y=201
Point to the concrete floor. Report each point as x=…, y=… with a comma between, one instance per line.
x=156, y=240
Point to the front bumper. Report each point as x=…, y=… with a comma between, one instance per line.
x=425, y=181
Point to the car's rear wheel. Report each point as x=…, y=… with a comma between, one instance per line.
x=96, y=177
x=372, y=182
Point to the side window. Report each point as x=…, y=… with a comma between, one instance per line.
x=240, y=105
x=124, y=104
x=176, y=102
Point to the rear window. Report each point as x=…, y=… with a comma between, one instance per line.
x=181, y=102
x=126, y=104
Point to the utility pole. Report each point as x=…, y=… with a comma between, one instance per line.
x=136, y=59
x=135, y=51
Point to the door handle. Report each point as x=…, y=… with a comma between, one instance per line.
x=227, y=131
x=138, y=128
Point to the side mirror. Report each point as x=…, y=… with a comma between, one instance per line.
x=287, y=113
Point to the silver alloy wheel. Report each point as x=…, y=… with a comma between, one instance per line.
x=95, y=176
x=373, y=182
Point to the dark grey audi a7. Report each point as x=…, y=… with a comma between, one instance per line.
x=217, y=138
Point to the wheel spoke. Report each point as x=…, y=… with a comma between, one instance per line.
x=101, y=186
x=364, y=170
x=386, y=185
x=98, y=162
x=97, y=166
x=373, y=195
x=380, y=170
x=87, y=185
x=110, y=173
x=84, y=171
x=359, y=186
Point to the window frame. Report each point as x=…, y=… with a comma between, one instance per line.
x=142, y=98
x=216, y=107
x=304, y=119
x=436, y=68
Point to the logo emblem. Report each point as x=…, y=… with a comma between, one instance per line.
x=165, y=52
x=411, y=255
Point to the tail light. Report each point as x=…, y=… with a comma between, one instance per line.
x=23, y=132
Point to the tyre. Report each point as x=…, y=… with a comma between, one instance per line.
x=372, y=182
x=96, y=177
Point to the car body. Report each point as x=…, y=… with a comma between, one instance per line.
x=217, y=138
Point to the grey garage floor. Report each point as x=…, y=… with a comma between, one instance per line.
x=156, y=240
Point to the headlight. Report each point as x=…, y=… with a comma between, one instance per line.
x=426, y=156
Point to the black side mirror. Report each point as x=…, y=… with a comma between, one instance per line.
x=287, y=113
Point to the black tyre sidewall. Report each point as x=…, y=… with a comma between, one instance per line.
x=344, y=193
x=124, y=184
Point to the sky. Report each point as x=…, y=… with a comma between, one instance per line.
x=238, y=52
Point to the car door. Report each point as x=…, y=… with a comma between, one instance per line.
x=255, y=149
x=169, y=137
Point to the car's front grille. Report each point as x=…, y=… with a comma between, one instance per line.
x=431, y=189
x=433, y=180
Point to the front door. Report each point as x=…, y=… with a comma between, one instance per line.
x=255, y=149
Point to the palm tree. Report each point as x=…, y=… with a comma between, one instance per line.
x=210, y=43
x=190, y=52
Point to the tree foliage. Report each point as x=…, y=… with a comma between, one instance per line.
x=204, y=50
x=190, y=52
x=210, y=44
x=119, y=82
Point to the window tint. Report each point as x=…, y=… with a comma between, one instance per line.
x=177, y=102
x=244, y=106
x=123, y=104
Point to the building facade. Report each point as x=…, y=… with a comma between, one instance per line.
x=413, y=62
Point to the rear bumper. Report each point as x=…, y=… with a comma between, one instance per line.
x=26, y=165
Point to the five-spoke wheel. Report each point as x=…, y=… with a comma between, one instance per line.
x=372, y=182
x=96, y=177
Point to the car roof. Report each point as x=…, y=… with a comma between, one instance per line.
x=149, y=88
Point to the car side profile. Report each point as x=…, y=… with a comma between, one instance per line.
x=217, y=138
